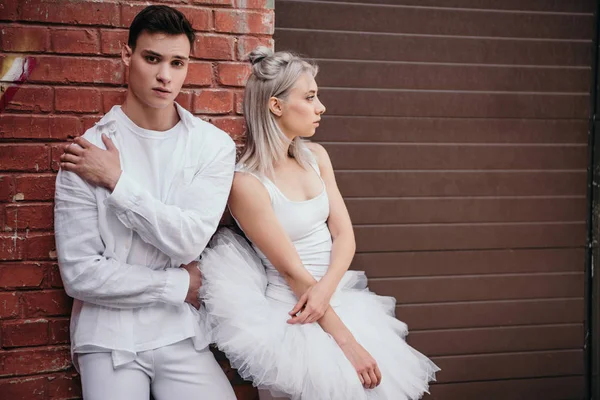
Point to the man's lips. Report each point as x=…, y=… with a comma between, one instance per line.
x=162, y=90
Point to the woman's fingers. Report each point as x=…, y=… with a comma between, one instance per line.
x=378, y=375
x=366, y=379
x=374, y=380
x=300, y=304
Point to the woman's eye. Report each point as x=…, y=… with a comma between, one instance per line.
x=310, y=98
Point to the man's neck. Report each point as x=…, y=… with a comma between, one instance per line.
x=150, y=118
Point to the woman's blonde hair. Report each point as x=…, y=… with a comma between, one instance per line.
x=273, y=75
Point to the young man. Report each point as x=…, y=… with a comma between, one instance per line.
x=137, y=199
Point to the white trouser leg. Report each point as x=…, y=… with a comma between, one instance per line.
x=101, y=381
x=183, y=373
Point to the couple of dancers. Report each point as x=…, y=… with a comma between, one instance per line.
x=140, y=195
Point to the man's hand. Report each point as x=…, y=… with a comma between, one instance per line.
x=195, y=283
x=94, y=165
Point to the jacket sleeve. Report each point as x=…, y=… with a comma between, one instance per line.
x=88, y=275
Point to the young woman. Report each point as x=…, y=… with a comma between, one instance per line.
x=286, y=311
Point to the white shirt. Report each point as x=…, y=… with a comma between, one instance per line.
x=119, y=253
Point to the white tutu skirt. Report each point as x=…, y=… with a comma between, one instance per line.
x=303, y=362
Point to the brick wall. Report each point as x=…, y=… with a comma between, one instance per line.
x=61, y=71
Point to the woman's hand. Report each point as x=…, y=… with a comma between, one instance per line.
x=312, y=304
x=364, y=364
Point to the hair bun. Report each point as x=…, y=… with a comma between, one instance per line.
x=259, y=54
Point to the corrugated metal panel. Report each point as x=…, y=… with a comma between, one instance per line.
x=458, y=129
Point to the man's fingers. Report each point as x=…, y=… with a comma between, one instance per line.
x=110, y=146
x=74, y=148
x=67, y=166
x=69, y=158
x=82, y=142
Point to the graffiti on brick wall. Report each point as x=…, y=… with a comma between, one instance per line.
x=14, y=70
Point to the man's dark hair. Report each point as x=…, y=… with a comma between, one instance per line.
x=160, y=19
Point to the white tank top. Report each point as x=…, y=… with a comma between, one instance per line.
x=305, y=222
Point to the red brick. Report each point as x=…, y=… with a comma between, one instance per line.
x=199, y=74
x=59, y=331
x=30, y=216
x=213, y=101
x=11, y=246
x=16, y=126
x=65, y=386
x=45, y=303
x=246, y=44
x=23, y=333
x=112, y=97
x=56, y=150
x=200, y=18
x=78, y=100
x=35, y=187
x=61, y=69
x=89, y=121
x=7, y=188
x=29, y=388
x=77, y=41
x=233, y=74
x=9, y=305
x=9, y=10
x=22, y=38
x=36, y=360
x=234, y=126
x=239, y=102
x=40, y=246
x=24, y=157
x=21, y=275
x=184, y=98
x=53, y=278
x=29, y=98
x=113, y=40
x=74, y=12
x=213, y=2
x=214, y=47
x=239, y=21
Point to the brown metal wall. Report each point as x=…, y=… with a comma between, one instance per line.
x=458, y=129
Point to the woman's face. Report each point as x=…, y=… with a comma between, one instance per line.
x=299, y=114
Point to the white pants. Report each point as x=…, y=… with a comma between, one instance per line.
x=177, y=371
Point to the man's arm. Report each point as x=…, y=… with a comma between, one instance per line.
x=180, y=230
x=88, y=275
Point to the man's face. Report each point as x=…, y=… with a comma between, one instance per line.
x=157, y=67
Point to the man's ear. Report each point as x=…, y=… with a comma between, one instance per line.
x=126, y=53
x=275, y=106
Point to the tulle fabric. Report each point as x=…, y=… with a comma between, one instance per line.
x=303, y=362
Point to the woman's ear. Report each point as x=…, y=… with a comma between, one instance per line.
x=126, y=53
x=275, y=106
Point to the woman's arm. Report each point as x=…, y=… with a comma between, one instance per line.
x=340, y=225
x=250, y=204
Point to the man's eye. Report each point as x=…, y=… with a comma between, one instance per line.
x=178, y=63
x=151, y=59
